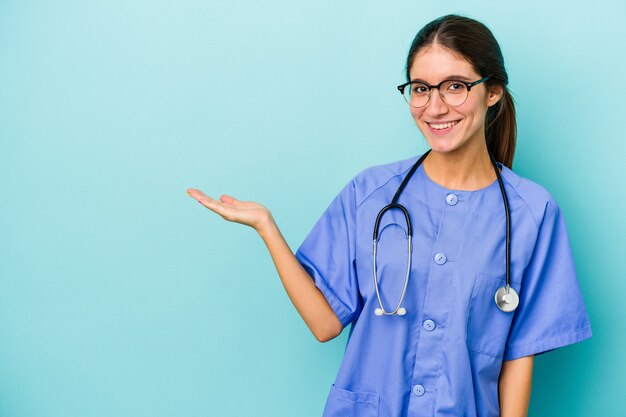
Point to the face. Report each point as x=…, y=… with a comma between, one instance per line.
x=451, y=129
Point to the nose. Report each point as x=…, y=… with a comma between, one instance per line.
x=436, y=106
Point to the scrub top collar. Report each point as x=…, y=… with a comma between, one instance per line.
x=425, y=190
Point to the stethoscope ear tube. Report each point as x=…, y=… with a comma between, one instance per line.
x=399, y=310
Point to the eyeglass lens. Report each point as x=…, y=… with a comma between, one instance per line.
x=453, y=93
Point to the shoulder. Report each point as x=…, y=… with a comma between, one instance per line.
x=538, y=200
x=370, y=179
x=535, y=197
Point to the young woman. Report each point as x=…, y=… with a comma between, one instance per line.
x=452, y=290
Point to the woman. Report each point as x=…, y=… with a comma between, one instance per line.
x=442, y=342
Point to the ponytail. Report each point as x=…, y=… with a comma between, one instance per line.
x=501, y=129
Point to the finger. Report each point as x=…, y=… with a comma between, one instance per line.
x=217, y=206
x=197, y=194
x=231, y=200
x=224, y=210
x=227, y=212
x=202, y=198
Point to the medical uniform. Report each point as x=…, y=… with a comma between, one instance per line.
x=443, y=358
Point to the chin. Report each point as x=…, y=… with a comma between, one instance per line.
x=441, y=145
x=443, y=149
x=447, y=145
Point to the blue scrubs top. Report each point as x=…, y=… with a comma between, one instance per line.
x=444, y=356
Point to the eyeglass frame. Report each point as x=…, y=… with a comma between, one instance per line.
x=468, y=85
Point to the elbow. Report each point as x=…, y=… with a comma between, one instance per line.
x=322, y=338
x=328, y=332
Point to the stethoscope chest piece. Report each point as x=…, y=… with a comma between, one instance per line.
x=507, y=299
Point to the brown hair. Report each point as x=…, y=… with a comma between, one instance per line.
x=475, y=42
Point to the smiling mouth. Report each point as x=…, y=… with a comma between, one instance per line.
x=442, y=126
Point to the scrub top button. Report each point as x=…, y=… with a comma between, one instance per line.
x=452, y=199
x=428, y=325
x=440, y=258
x=418, y=390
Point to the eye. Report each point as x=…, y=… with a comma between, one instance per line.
x=419, y=89
x=456, y=86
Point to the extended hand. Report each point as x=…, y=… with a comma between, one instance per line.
x=249, y=213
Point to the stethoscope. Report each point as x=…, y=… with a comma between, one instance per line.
x=506, y=297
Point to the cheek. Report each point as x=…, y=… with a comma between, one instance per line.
x=416, y=112
x=473, y=109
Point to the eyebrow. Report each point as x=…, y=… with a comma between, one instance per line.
x=449, y=77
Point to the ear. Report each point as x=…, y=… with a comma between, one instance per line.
x=494, y=94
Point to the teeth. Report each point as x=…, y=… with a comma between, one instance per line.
x=443, y=126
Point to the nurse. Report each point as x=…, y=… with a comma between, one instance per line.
x=454, y=352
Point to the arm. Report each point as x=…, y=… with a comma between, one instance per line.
x=305, y=296
x=514, y=386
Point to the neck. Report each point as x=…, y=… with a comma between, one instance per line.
x=460, y=170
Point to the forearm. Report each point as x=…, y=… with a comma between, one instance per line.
x=515, y=386
x=305, y=296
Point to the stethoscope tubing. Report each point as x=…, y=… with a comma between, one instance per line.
x=506, y=298
x=507, y=210
x=398, y=308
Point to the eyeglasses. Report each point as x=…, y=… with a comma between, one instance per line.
x=452, y=92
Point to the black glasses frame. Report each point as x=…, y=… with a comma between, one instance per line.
x=468, y=85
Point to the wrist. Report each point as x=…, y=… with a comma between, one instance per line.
x=267, y=227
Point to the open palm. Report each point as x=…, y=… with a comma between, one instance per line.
x=249, y=213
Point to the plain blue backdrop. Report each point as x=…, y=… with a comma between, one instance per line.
x=121, y=296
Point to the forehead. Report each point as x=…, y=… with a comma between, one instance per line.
x=435, y=63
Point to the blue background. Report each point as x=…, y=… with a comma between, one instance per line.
x=121, y=296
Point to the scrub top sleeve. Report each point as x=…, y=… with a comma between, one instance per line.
x=551, y=312
x=328, y=254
